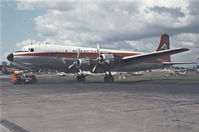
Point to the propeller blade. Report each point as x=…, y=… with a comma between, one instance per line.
x=94, y=68
x=98, y=49
x=97, y=59
x=72, y=65
x=78, y=53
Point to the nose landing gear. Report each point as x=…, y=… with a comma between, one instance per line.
x=108, y=78
x=80, y=78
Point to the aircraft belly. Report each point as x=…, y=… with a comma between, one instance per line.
x=62, y=64
x=45, y=62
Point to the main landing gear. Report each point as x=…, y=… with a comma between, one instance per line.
x=80, y=78
x=108, y=78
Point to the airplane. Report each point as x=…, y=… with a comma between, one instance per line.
x=71, y=59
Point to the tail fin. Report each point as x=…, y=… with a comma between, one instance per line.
x=163, y=45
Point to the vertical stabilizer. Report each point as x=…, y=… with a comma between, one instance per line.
x=163, y=45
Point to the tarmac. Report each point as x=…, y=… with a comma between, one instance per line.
x=60, y=105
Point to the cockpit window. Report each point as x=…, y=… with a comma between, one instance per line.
x=31, y=50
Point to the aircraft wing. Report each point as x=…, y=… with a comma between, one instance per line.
x=151, y=56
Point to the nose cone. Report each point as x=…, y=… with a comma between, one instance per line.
x=10, y=57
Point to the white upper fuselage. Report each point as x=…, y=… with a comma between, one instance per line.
x=44, y=48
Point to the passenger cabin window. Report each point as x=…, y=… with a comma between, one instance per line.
x=31, y=50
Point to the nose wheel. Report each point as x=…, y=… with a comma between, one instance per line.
x=108, y=78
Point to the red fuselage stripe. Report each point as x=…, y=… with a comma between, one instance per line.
x=82, y=55
x=71, y=54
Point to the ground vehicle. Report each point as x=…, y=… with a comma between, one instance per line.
x=27, y=78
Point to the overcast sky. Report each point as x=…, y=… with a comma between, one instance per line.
x=118, y=24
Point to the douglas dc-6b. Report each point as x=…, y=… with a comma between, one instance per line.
x=72, y=59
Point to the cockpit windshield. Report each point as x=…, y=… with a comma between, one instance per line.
x=31, y=50
x=25, y=50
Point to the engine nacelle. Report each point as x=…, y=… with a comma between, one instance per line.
x=83, y=63
x=106, y=58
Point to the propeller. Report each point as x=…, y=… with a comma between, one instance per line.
x=75, y=63
x=97, y=59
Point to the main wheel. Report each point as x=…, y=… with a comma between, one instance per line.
x=80, y=78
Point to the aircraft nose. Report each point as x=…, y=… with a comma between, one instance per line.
x=10, y=57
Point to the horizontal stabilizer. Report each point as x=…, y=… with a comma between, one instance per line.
x=178, y=63
x=151, y=56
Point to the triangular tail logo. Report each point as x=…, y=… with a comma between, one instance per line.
x=164, y=46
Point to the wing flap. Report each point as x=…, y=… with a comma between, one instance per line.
x=151, y=56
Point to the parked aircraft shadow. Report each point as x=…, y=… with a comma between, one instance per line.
x=135, y=82
x=92, y=82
